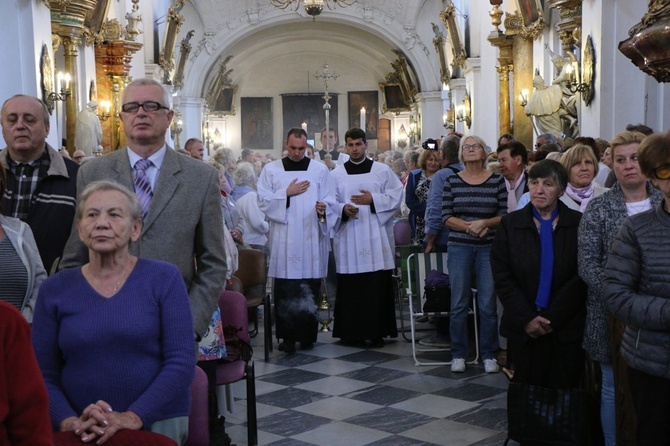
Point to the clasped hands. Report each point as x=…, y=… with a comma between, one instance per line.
x=539, y=326
x=477, y=228
x=99, y=421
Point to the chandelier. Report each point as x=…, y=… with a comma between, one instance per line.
x=312, y=7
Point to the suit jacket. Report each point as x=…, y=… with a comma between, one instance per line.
x=184, y=224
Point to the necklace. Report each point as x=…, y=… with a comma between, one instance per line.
x=116, y=286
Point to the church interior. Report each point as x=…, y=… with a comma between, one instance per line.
x=243, y=72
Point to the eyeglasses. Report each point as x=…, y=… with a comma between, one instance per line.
x=662, y=172
x=472, y=148
x=149, y=106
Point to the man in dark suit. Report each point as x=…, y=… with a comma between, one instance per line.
x=183, y=221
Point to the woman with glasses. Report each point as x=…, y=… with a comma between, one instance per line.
x=416, y=193
x=631, y=195
x=473, y=203
x=637, y=291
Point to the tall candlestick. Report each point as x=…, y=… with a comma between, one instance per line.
x=363, y=118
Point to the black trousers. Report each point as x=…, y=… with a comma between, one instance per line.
x=651, y=398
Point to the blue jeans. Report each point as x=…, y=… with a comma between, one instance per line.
x=462, y=262
x=607, y=414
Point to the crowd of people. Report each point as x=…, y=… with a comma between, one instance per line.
x=118, y=262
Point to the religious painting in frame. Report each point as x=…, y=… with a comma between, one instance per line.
x=369, y=100
x=531, y=12
x=395, y=100
x=47, y=77
x=224, y=102
x=307, y=108
x=448, y=16
x=97, y=16
x=257, y=125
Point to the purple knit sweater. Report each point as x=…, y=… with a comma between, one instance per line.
x=135, y=350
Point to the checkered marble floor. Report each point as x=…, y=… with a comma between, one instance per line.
x=339, y=395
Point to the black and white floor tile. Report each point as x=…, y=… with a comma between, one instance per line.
x=340, y=395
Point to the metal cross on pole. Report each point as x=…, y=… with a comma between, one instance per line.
x=326, y=76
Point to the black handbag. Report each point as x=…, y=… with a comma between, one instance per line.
x=544, y=416
x=437, y=292
x=438, y=299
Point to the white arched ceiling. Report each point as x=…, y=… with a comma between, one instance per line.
x=274, y=48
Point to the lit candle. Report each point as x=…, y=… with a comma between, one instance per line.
x=67, y=81
x=59, y=81
x=363, y=118
x=304, y=126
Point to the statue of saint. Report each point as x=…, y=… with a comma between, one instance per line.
x=88, y=131
x=544, y=105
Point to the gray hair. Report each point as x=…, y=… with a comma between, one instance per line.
x=107, y=185
x=147, y=81
x=245, y=175
x=222, y=155
x=45, y=109
x=479, y=141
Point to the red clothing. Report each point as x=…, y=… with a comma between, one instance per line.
x=24, y=403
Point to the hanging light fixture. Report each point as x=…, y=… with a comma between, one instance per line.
x=312, y=7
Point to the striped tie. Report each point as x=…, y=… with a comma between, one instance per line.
x=143, y=185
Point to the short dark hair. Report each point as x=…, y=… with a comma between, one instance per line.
x=296, y=132
x=549, y=169
x=355, y=133
x=449, y=148
x=190, y=142
x=508, y=136
x=549, y=137
x=654, y=152
x=246, y=153
x=330, y=129
x=515, y=149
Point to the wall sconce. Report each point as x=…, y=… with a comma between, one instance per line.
x=402, y=136
x=581, y=77
x=464, y=112
x=176, y=128
x=105, y=109
x=63, y=86
x=218, y=138
x=523, y=97
x=448, y=119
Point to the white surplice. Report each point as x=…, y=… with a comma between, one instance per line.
x=366, y=244
x=298, y=242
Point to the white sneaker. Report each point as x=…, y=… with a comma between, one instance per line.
x=458, y=365
x=491, y=366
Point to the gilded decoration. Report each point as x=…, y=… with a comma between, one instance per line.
x=166, y=57
x=448, y=16
x=647, y=46
x=221, y=92
x=111, y=30
x=406, y=79
x=440, y=48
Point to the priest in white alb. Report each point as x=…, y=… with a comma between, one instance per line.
x=297, y=197
x=368, y=195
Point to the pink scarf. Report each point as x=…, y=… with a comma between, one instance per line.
x=581, y=196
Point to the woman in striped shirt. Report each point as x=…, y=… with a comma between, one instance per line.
x=473, y=203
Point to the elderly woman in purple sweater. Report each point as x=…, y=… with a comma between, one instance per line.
x=114, y=338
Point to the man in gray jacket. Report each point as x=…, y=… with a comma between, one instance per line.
x=183, y=222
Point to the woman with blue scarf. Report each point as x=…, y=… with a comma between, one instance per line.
x=534, y=263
